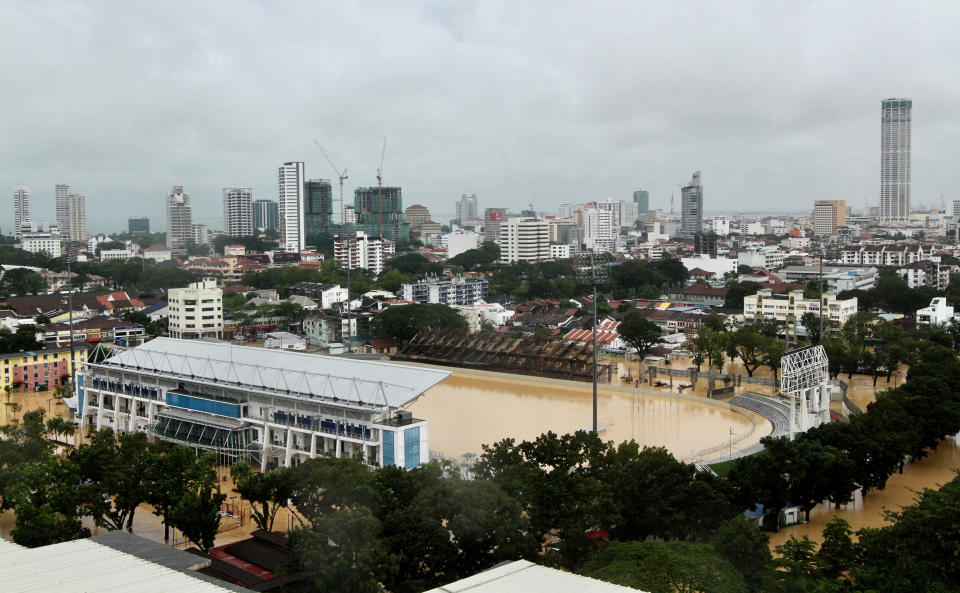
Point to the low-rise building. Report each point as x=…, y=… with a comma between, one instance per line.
x=40, y=369
x=158, y=253
x=284, y=341
x=561, y=251
x=789, y=308
x=479, y=313
x=938, y=313
x=325, y=295
x=835, y=278
x=458, y=290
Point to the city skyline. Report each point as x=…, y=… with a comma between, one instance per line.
x=538, y=95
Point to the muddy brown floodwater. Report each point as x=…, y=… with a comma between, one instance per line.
x=471, y=409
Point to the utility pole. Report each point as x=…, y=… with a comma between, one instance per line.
x=73, y=364
x=588, y=272
x=823, y=251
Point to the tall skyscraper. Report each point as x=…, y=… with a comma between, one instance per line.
x=265, y=215
x=467, y=207
x=641, y=198
x=318, y=212
x=691, y=208
x=76, y=218
x=290, y=203
x=523, y=239
x=179, y=219
x=138, y=225
x=380, y=213
x=62, y=205
x=21, y=208
x=237, y=211
x=895, y=160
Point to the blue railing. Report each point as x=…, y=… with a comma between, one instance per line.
x=357, y=431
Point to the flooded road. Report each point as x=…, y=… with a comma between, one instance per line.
x=471, y=409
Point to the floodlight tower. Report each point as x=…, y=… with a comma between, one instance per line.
x=342, y=175
x=592, y=272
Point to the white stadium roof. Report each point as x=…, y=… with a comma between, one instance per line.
x=522, y=576
x=342, y=380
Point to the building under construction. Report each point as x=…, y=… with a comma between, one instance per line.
x=505, y=353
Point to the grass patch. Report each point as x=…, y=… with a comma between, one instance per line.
x=722, y=468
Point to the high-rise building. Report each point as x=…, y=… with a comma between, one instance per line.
x=138, y=225
x=265, y=215
x=290, y=204
x=196, y=312
x=691, y=208
x=827, y=216
x=467, y=207
x=956, y=210
x=237, y=211
x=318, y=212
x=62, y=204
x=492, y=218
x=600, y=229
x=349, y=215
x=642, y=199
x=21, y=208
x=199, y=234
x=380, y=212
x=524, y=239
x=76, y=218
x=359, y=250
x=895, y=160
x=179, y=219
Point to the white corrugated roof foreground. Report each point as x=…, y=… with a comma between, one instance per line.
x=307, y=375
x=84, y=566
x=526, y=577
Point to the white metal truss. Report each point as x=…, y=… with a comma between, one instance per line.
x=804, y=380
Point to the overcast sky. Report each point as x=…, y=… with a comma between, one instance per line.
x=778, y=103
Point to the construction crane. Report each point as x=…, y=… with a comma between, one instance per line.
x=343, y=175
x=380, y=190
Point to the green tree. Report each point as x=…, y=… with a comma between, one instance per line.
x=327, y=483
x=837, y=553
x=21, y=281
x=403, y=322
x=735, y=293
x=342, y=553
x=639, y=332
x=113, y=467
x=266, y=492
x=748, y=345
x=746, y=548
x=197, y=515
x=173, y=472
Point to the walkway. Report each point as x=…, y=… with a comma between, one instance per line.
x=772, y=408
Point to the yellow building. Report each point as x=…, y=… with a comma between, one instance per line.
x=29, y=370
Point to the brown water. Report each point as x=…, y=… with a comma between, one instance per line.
x=468, y=410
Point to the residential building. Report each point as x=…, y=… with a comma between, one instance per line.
x=62, y=206
x=238, y=211
x=77, y=218
x=325, y=295
x=179, y=219
x=769, y=257
x=290, y=180
x=40, y=237
x=265, y=215
x=318, y=213
x=891, y=254
x=600, y=230
x=363, y=251
x=21, y=208
x=459, y=241
x=642, y=199
x=458, y=290
x=561, y=251
x=835, y=278
x=93, y=331
x=137, y=225
x=467, y=208
x=380, y=213
x=706, y=243
x=267, y=407
x=721, y=226
x=50, y=367
x=200, y=234
x=827, y=216
x=790, y=308
x=938, y=313
x=196, y=312
x=349, y=215
x=895, y=126
x=121, y=254
x=323, y=330
x=524, y=239
x=284, y=341
x=477, y=314
x=691, y=207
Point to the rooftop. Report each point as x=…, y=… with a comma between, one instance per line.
x=525, y=576
x=336, y=379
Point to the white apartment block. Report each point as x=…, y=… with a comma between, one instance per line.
x=200, y=233
x=123, y=254
x=458, y=242
x=77, y=217
x=62, y=204
x=770, y=258
x=21, y=208
x=479, y=313
x=897, y=254
x=561, y=251
x=238, y=211
x=458, y=290
x=363, y=251
x=267, y=407
x=196, y=311
x=721, y=225
x=179, y=219
x=600, y=230
x=789, y=308
x=524, y=239
x=40, y=238
x=290, y=179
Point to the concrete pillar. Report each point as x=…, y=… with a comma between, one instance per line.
x=132, y=418
x=288, y=454
x=266, y=443
x=313, y=445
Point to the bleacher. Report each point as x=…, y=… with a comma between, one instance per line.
x=773, y=409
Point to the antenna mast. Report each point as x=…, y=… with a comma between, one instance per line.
x=380, y=190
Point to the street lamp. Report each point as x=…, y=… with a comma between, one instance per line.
x=591, y=271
